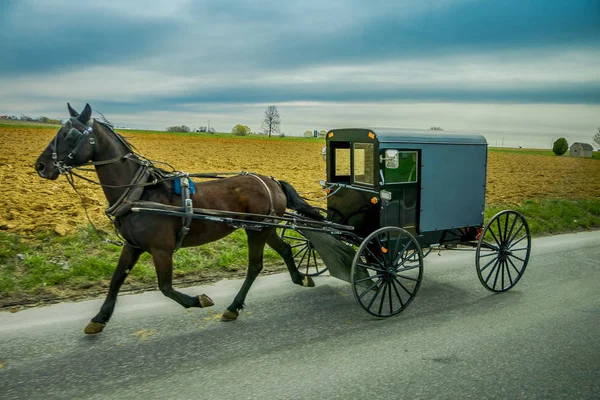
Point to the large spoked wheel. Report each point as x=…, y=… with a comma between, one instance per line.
x=305, y=256
x=387, y=271
x=503, y=251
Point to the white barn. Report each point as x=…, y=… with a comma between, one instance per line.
x=579, y=149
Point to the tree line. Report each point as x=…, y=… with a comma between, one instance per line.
x=271, y=125
x=27, y=118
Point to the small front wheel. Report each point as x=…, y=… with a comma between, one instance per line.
x=503, y=251
x=387, y=271
x=307, y=260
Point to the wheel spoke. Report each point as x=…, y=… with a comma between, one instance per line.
x=488, y=264
x=390, y=297
x=375, y=257
x=302, y=259
x=518, y=258
x=492, y=270
x=521, y=249
x=515, y=234
x=499, y=230
x=370, y=267
x=397, y=293
x=298, y=245
x=305, y=248
x=384, y=256
x=369, y=278
x=497, y=272
x=518, y=241
x=503, y=269
x=494, y=236
x=408, y=268
x=385, y=286
x=495, y=253
x=370, y=288
x=376, y=294
x=314, y=254
x=506, y=227
x=509, y=235
x=309, y=253
x=408, y=277
x=516, y=269
x=402, y=286
x=508, y=272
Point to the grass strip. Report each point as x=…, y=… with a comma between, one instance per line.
x=50, y=266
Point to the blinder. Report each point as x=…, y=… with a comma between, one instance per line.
x=74, y=138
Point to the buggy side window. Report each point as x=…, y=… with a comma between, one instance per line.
x=363, y=163
x=340, y=162
x=407, y=170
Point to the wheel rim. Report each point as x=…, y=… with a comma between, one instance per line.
x=307, y=260
x=387, y=272
x=503, y=251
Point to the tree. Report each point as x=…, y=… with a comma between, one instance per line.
x=271, y=121
x=597, y=138
x=560, y=147
x=176, y=128
x=240, y=130
x=308, y=134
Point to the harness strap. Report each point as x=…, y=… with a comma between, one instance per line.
x=272, y=211
x=132, y=193
x=186, y=202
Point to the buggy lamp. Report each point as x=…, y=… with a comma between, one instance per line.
x=322, y=182
x=385, y=195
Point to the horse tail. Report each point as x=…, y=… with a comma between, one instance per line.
x=296, y=202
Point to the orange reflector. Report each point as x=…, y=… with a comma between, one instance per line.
x=371, y=135
x=384, y=250
x=374, y=200
x=330, y=135
x=327, y=191
x=479, y=232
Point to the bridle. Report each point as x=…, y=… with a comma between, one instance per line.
x=75, y=138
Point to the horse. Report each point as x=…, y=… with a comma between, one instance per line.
x=125, y=175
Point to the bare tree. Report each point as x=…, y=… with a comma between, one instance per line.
x=271, y=121
x=597, y=137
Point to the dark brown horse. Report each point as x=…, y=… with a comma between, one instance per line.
x=124, y=175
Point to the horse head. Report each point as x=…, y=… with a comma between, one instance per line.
x=72, y=146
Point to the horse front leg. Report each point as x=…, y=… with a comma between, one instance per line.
x=256, y=247
x=163, y=263
x=129, y=256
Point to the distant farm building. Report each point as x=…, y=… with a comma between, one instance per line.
x=578, y=149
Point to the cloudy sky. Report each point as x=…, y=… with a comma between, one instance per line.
x=525, y=71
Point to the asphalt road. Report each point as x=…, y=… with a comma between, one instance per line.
x=541, y=340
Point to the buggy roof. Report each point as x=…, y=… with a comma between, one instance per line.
x=399, y=135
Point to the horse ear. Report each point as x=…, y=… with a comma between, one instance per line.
x=72, y=112
x=85, y=114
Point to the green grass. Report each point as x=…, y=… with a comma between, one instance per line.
x=536, y=152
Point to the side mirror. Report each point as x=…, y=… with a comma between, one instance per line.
x=391, y=159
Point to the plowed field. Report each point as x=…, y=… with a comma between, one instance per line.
x=29, y=204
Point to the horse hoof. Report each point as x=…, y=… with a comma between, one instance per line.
x=307, y=281
x=229, y=315
x=93, y=328
x=205, y=301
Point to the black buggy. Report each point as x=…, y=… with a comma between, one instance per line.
x=392, y=196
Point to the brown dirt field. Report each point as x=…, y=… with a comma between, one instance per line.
x=29, y=204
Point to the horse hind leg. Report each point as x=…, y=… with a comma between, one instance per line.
x=256, y=247
x=285, y=251
x=163, y=263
